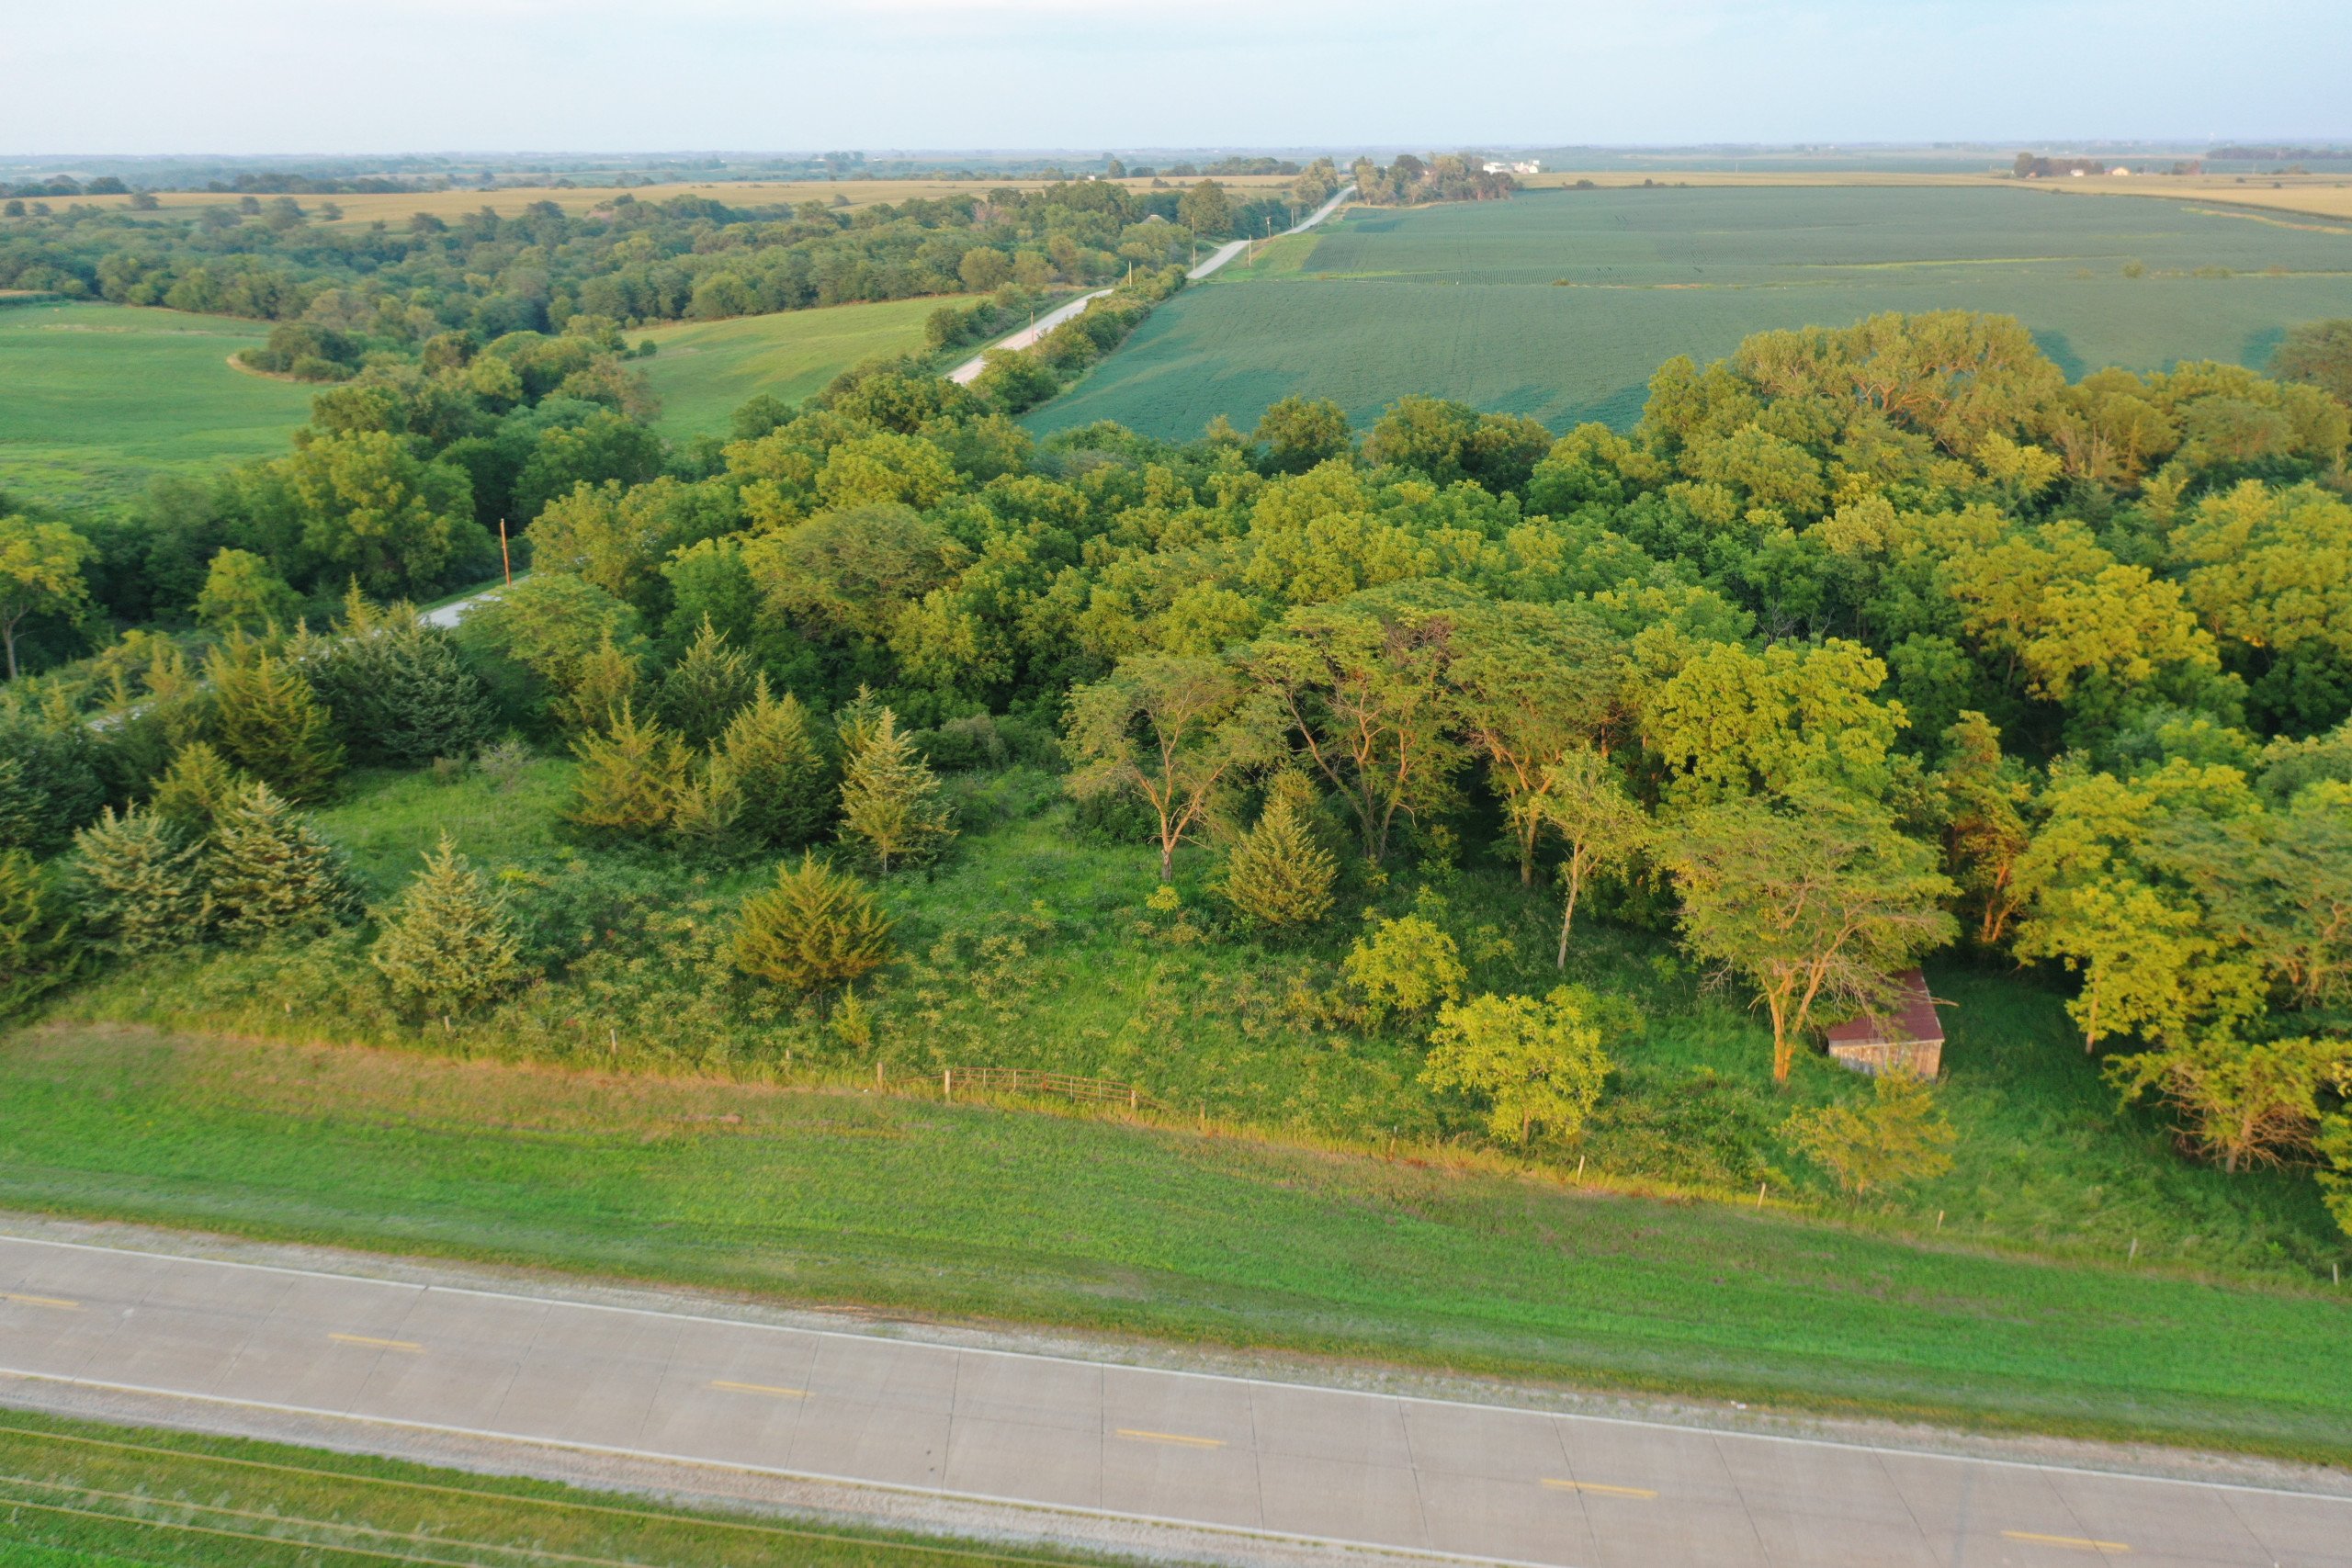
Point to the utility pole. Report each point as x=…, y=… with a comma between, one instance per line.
x=504, y=555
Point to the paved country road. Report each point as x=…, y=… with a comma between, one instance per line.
x=964, y=375
x=1272, y=1463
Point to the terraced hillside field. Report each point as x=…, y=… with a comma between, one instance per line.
x=1561, y=304
x=94, y=399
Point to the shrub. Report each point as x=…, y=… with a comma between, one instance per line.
x=891, y=812
x=631, y=777
x=36, y=947
x=708, y=687
x=270, y=722
x=814, y=929
x=139, y=881
x=1407, y=965
x=195, y=789
x=1279, y=877
x=267, y=872
x=1530, y=1063
x=771, y=753
x=1899, y=1137
x=448, y=947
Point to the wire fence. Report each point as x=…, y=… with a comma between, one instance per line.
x=1031, y=1080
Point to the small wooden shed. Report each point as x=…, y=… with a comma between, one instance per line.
x=1907, y=1038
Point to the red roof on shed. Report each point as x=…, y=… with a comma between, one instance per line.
x=1913, y=1019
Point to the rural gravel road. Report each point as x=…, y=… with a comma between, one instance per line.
x=964, y=375
x=1272, y=1465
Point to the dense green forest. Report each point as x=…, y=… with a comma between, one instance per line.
x=1867, y=644
x=354, y=289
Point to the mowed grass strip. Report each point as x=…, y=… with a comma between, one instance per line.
x=705, y=370
x=1560, y=304
x=974, y=1212
x=82, y=1492
x=96, y=399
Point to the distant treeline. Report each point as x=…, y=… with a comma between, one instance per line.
x=1443, y=177
x=390, y=288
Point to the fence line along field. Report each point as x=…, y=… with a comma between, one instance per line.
x=703, y=371
x=100, y=397
x=1561, y=304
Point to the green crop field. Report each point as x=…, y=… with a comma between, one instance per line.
x=706, y=369
x=1561, y=304
x=94, y=399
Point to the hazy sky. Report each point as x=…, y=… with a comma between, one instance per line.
x=359, y=75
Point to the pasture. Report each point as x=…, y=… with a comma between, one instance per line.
x=1559, y=305
x=100, y=397
x=705, y=370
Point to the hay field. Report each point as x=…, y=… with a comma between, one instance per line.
x=1561, y=304
x=706, y=369
x=98, y=398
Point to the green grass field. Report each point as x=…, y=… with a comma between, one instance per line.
x=1560, y=304
x=82, y=1494
x=99, y=397
x=2000, y=1292
x=707, y=369
x=914, y=1205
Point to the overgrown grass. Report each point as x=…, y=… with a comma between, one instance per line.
x=1463, y=299
x=914, y=1205
x=82, y=1493
x=1034, y=946
x=100, y=397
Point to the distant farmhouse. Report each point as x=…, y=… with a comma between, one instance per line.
x=1497, y=166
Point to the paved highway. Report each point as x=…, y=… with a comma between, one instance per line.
x=1472, y=1481
x=964, y=375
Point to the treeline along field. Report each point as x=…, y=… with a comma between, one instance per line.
x=1558, y=304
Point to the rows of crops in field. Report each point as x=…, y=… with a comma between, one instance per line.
x=1559, y=305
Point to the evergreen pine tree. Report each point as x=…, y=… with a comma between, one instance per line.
x=271, y=723
x=1278, y=876
x=707, y=688
x=267, y=871
x=401, y=691
x=779, y=770
x=814, y=930
x=448, y=947
x=630, y=776
x=139, y=881
x=891, y=811
x=20, y=805
x=36, y=948
x=709, y=806
x=603, y=686
x=195, y=789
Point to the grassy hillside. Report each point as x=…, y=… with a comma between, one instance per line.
x=82, y=1494
x=99, y=397
x=1561, y=304
x=922, y=1206
x=706, y=369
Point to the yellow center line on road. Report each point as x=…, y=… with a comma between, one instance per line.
x=1136, y=1434
x=1599, y=1487
x=2071, y=1542
x=407, y=1347
x=58, y=1302
x=760, y=1388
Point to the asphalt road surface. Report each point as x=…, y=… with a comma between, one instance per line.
x=964, y=375
x=1276, y=1459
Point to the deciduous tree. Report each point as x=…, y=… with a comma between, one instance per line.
x=1531, y=1063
